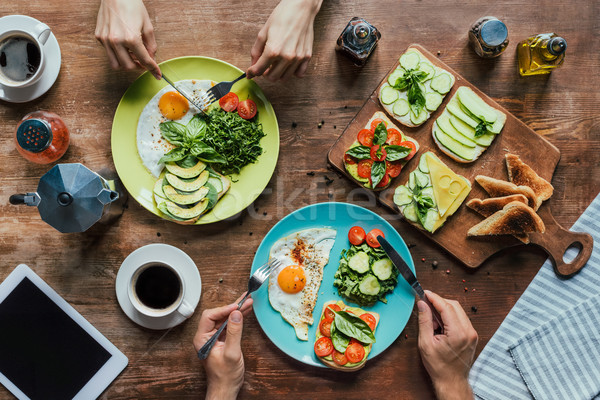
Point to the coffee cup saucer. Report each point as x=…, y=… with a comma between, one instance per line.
x=51, y=70
x=166, y=254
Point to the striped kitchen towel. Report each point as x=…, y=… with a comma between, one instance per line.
x=494, y=374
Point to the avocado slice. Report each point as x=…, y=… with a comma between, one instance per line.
x=187, y=185
x=476, y=106
x=177, y=213
x=184, y=199
x=158, y=189
x=186, y=173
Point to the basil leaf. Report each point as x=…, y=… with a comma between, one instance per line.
x=401, y=83
x=360, y=152
x=178, y=153
x=416, y=99
x=212, y=173
x=196, y=127
x=481, y=129
x=206, y=153
x=188, y=162
x=420, y=76
x=395, y=152
x=173, y=132
x=380, y=134
x=353, y=326
x=377, y=172
x=212, y=196
x=426, y=202
x=339, y=340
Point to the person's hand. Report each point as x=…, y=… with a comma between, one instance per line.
x=225, y=363
x=447, y=357
x=284, y=45
x=124, y=29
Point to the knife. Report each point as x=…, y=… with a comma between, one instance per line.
x=188, y=98
x=406, y=272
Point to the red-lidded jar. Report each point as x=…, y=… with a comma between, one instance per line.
x=42, y=137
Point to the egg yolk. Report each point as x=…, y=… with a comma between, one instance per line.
x=172, y=105
x=291, y=279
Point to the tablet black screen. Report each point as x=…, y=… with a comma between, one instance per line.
x=43, y=351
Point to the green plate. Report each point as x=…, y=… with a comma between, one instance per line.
x=138, y=181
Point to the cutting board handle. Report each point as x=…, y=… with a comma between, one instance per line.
x=556, y=240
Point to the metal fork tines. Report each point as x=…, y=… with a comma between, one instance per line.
x=200, y=107
x=256, y=280
x=219, y=90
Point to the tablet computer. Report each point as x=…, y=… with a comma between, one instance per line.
x=47, y=349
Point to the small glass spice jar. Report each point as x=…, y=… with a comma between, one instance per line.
x=358, y=40
x=42, y=137
x=488, y=36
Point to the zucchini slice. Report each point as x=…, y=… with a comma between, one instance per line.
x=421, y=179
x=401, y=107
x=369, y=285
x=397, y=73
x=418, y=119
x=410, y=212
x=433, y=100
x=359, y=262
x=402, y=196
x=423, y=167
x=389, y=95
x=410, y=60
x=383, y=268
x=441, y=83
x=428, y=69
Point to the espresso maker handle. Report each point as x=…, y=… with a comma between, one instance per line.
x=17, y=199
x=31, y=199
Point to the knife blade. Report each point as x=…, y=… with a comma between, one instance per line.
x=409, y=276
x=188, y=98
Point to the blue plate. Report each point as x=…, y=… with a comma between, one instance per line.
x=339, y=216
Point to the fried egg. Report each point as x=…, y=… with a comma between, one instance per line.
x=166, y=105
x=294, y=286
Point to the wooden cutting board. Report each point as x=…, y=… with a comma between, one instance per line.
x=515, y=138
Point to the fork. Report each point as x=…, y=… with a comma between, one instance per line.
x=219, y=90
x=256, y=280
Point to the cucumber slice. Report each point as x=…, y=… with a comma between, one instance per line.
x=411, y=180
x=369, y=285
x=428, y=192
x=475, y=104
x=454, y=108
x=430, y=219
x=383, y=268
x=388, y=95
x=402, y=195
x=444, y=124
x=397, y=73
x=428, y=69
x=410, y=60
x=423, y=165
x=401, y=107
x=433, y=100
x=464, y=152
x=410, y=212
x=359, y=262
x=499, y=124
x=421, y=179
x=441, y=83
x=418, y=119
x=466, y=130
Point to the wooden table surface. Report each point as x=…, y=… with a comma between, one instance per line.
x=162, y=364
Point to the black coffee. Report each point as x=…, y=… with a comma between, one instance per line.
x=157, y=286
x=19, y=58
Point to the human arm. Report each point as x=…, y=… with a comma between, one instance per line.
x=225, y=364
x=284, y=44
x=447, y=357
x=123, y=27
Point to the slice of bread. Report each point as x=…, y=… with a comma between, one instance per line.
x=522, y=174
x=358, y=312
x=491, y=205
x=497, y=188
x=514, y=218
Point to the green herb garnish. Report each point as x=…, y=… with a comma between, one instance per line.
x=410, y=81
x=423, y=203
x=482, y=128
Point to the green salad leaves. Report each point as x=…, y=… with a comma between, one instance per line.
x=410, y=82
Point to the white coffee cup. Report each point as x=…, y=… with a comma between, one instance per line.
x=156, y=289
x=38, y=35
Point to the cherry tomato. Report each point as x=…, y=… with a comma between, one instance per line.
x=376, y=122
x=394, y=136
x=374, y=155
x=229, y=102
x=356, y=235
x=393, y=168
x=329, y=314
x=370, y=320
x=364, y=168
x=355, y=352
x=384, y=181
x=410, y=144
x=365, y=137
x=348, y=159
x=339, y=358
x=323, y=347
x=247, y=109
x=372, y=238
x=325, y=328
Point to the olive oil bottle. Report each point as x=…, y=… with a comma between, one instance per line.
x=541, y=54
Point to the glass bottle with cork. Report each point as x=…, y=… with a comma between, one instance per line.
x=488, y=37
x=540, y=54
x=358, y=40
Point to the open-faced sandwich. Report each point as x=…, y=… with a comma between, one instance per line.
x=345, y=336
x=415, y=89
x=432, y=194
x=467, y=126
x=188, y=191
x=379, y=153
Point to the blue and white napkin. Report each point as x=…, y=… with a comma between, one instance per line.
x=526, y=356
